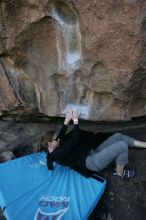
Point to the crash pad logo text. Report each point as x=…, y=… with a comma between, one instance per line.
x=52, y=207
x=54, y=201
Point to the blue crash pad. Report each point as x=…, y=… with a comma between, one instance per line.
x=28, y=190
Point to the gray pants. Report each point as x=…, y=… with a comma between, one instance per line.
x=114, y=148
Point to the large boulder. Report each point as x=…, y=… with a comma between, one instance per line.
x=87, y=53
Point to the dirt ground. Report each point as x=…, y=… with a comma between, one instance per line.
x=125, y=200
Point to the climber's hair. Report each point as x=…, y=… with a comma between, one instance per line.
x=49, y=136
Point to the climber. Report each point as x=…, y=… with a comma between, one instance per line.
x=74, y=154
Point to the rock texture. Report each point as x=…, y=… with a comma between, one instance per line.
x=87, y=53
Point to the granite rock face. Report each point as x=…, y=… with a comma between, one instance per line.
x=122, y=199
x=87, y=53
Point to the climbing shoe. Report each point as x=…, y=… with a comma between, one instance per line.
x=128, y=173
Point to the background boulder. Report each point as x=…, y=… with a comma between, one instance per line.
x=87, y=53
